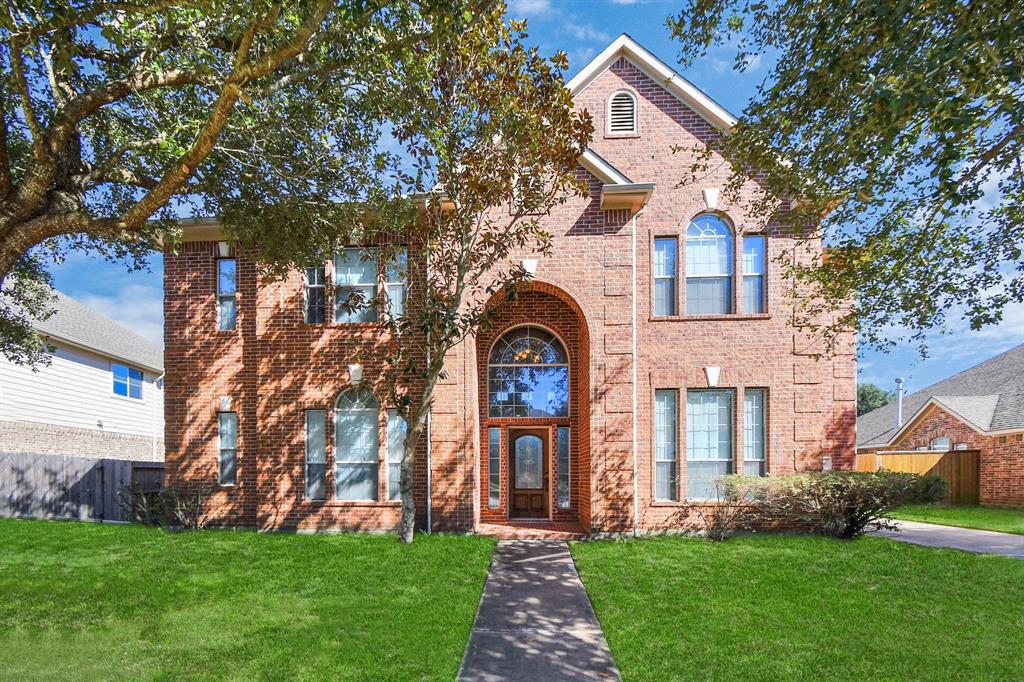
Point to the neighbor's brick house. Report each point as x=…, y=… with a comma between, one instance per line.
x=652, y=352
x=980, y=409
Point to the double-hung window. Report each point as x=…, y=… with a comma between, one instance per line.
x=754, y=266
x=709, y=266
x=316, y=454
x=754, y=411
x=396, y=448
x=316, y=295
x=127, y=381
x=227, y=291
x=356, y=445
x=708, y=441
x=665, y=273
x=396, y=277
x=227, y=448
x=355, y=285
x=665, y=444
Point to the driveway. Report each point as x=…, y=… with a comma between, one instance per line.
x=967, y=539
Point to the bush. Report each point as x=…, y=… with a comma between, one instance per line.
x=840, y=504
x=156, y=508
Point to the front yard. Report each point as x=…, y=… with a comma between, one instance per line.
x=805, y=608
x=982, y=518
x=89, y=601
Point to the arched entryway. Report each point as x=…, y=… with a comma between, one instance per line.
x=534, y=382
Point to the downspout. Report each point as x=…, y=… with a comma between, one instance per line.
x=636, y=485
x=430, y=505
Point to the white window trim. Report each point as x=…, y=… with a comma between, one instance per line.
x=338, y=451
x=374, y=256
x=221, y=296
x=128, y=382
x=731, y=421
x=306, y=287
x=306, y=462
x=221, y=450
x=654, y=453
x=673, y=277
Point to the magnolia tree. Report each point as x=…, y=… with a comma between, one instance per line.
x=114, y=113
x=486, y=143
x=900, y=130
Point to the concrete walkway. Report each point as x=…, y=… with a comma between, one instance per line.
x=967, y=539
x=535, y=621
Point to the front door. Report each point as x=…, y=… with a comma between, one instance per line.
x=528, y=450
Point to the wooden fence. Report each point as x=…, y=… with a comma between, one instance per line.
x=62, y=487
x=959, y=468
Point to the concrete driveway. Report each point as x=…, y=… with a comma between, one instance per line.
x=967, y=539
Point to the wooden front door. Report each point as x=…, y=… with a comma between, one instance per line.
x=528, y=452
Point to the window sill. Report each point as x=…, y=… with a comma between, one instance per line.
x=125, y=397
x=355, y=503
x=621, y=136
x=709, y=318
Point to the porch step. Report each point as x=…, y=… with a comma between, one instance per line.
x=534, y=530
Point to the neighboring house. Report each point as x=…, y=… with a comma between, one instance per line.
x=100, y=396
x=981, y=409
x=651, y=354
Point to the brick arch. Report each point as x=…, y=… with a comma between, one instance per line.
x=549, y=306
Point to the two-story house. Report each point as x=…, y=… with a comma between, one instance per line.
x=652, y=353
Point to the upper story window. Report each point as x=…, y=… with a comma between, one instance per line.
x=316, y=295
x=359, y=279
x=227, y=291
x=127, y=381
x=665, y=275
x=528, y=375
x=622, y=113
x=709, y=266
x=754, y=268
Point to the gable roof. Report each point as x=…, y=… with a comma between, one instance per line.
x=82, y=326
x=988, y=397
x=659, y=72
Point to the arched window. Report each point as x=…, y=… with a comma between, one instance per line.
x=622, y=113
x=709, y=266
x=356, y=445
x=940, y=443
x=528, y=375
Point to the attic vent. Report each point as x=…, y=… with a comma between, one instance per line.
x=622, y=113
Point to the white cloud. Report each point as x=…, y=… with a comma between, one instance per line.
x=625, y=2
x=135, y=306
x=525, y=8
x=587, y=32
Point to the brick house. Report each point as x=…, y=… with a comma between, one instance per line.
x=652, y=353
x=981, y=408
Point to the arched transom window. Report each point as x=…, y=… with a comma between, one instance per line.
x=709, y=266
x=528, y=375
x=356, y=445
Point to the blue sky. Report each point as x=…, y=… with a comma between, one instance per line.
x=582, y=28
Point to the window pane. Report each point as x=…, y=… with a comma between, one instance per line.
x=316, y=481
x=355, y=482
x=134, y=383
x=535, y=391
x=493, y=467
x=708, y=295
x=227, y=277
x=316, y=299
x=754, y=255
x=228, y=431
x=396, y=276
x=355, y=275
x=227, y=436
x=665, y=443
x=753, y=432
x=664, y=257
x=708, y=248
x=753, y=294
x=708, y=441
x=357, y=436
x=665, y=296
x=316, y=454
x=227, y=314
x=397, y=428
x=562, y=434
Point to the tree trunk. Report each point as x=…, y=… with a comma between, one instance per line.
x=416, y=425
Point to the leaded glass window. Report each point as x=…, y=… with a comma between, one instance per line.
x=708, y=441
x=709, y=266
x=356, y=445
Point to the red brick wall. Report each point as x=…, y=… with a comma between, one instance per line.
x=276, y=366
x=1000, y=459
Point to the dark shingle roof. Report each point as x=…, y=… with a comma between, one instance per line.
x=990, y=396
x=85, y=327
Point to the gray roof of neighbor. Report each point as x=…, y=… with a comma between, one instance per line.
x=85, y=327
x=989, y=396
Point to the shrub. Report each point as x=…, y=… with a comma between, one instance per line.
x=841, y=504
x=157, y=508
x=719, y=521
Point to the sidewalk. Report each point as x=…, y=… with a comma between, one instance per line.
x=535, y=621
x=967, y=539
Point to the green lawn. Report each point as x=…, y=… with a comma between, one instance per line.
x=985, y=518
x=805, y=608
x=89, y=601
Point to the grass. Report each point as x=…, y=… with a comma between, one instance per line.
x=983, y=518
x=90, y=601
x=805, y=608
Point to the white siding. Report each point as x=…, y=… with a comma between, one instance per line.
x=77, y=390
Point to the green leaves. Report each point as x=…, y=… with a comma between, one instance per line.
x=912, y=114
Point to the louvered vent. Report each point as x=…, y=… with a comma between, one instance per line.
x=622, y=113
